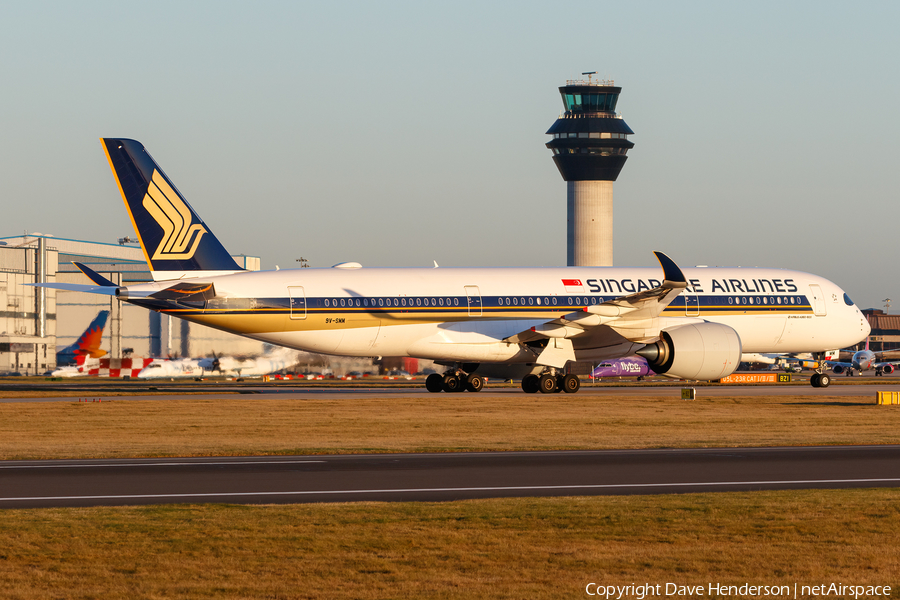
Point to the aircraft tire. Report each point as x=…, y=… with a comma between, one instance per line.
x=814, y=379
x=571, y=384
x=824, y=380
x=530, y=384
x=434, y=383
x=547, y=384
x=474, y=383
x=452, y=383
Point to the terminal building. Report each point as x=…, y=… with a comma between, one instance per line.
x=885, y=330
x=34, y=322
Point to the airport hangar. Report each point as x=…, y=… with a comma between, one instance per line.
x=35, y=321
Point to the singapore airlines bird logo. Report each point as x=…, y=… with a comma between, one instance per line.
x=180, y=238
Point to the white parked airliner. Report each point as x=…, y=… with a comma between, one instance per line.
x=501, y=322
x=163, y=368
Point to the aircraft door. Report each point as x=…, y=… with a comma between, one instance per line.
x=818, y=300
x=298, y=301
x=691, y=304
x=474, y=296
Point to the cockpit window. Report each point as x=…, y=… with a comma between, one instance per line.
x=847, y=300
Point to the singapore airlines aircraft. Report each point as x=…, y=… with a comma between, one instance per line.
x=499, y=322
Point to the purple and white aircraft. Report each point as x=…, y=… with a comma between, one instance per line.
x=630, y=366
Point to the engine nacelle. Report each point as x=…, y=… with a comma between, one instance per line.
x=887, y=369
x=838, y=369
x=702, y=351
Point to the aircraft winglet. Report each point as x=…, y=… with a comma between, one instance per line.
x=671, y=272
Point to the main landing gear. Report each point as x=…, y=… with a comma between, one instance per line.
x=454, y=381
x=820, y=380
x=550, y=383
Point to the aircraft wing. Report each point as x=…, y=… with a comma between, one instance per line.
x=781, y=360
x=630, y=316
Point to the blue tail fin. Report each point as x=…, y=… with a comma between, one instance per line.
x=174, y=238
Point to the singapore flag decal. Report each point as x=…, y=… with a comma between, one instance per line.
x=573, y=286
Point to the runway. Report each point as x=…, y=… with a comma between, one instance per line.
x=440, y=477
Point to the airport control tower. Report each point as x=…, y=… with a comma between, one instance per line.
x=589, y=145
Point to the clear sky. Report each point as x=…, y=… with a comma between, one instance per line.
x=398, y=133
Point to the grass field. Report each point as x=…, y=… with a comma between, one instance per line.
x=539, y=548
x=531, y=548
x=246, y=425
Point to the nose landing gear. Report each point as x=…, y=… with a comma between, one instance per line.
x=820, y=380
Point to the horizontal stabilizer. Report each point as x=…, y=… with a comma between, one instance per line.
x=104, y=290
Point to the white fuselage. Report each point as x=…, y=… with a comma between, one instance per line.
x=186, y=367
x=225, y=365
x=464, y=314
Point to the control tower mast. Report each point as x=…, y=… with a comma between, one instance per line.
x=589, y=145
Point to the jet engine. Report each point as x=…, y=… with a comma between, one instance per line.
x=887, y=369
x=697, y=351
x=838, y=369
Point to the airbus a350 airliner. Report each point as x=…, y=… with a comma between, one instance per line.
x=524, y=323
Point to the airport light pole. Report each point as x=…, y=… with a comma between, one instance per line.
x=589, y=145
